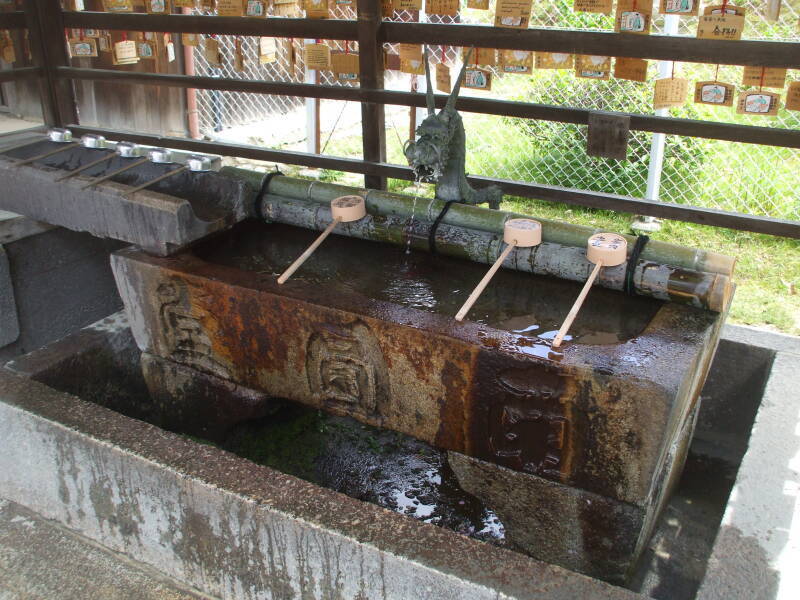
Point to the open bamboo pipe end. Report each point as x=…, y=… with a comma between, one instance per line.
x=604, y=250
x=522, y=233
x=343, y=210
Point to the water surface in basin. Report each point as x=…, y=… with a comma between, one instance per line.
x=533, y=307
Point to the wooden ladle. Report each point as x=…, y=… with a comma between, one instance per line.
x=604, y=250
x=521, y=233
x=343, y=209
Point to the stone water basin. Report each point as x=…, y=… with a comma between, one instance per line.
x=575, y=450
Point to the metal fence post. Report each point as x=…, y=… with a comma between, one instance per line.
x=373, y=116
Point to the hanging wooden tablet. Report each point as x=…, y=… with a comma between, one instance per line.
x=239, y=62
x=480, y=56
x=607, y=135
x=82, y=48
x=589, y=73
x=183, y=3
x=145, y=50
x=793, y=96
x=104, y=43
x=670, y=91
x=92, y=33
x=287, y=9
x=553, y=60
x=9, y=53
x=632, y=69
x=679, y=7
x=125, y=53
x=207, y=4
x=764, y=77
x=773, y=10
x=157, y=7
x=316, y=9
x=714, y=25
x=758, y=102
x=443, y=78
x=478, y=4
x=286, y=53
x=516, y=61
x=230, y=8
x=118, y=5
x=169, y=47
x=715, y=93
x=387, y=8
x=317, y=56
x=633, y=16
x=391, y=62
x=442, y=7
x=478, y=79
x=590, y=62
x=190, y=39
x=212, y=53
x=410, y=5
x=593, y=6
x=512, y=13
x=267, y=50
x=255, y=8
x=411, y=59
x=345, y=66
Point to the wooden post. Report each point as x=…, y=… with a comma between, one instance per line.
x=45, y=24
x=370, y=58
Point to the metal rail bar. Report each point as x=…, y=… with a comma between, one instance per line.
x=20, y=73
x=691, y=214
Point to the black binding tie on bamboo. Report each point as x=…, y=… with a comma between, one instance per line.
x=262, y=192
x=435, y=226
x=641, y=240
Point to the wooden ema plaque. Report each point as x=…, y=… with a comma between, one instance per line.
x=230, y=8
x=714, y=24
x=156, y=7
x=592, y=67
x=478, y=4
x=480, y=56
x=512, y=13
x=146, y=50
x=409, y=5
x=679, y=7
x=345, y=66
x=593, y=6
x=670, y=91
x=125, y=53
x=443, y=83
x=255, y=8
x=764, y=77
x=715, y=93
x=553, y=60
x=758, y=102
x=632, y=69
x=793, y=96
x=519, y=62
x=608, y=135
x=190, y=39
x=317, y=56
x=478, y=79
x=81, y=48
x=118, y=5
x=442, y=7
x=411, y=59
x=633, y=16
x=316, y=9
x=267, y=50
x=211, y=52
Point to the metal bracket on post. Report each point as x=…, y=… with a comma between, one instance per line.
x=370, y=59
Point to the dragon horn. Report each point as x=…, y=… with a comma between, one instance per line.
x=451, y=101
x=429, y=88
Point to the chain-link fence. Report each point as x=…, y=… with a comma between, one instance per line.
x=737, y=177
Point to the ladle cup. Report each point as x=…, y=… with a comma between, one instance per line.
x=343, y=209
x=58, y=135
x=126, y=150
x=90, y=141
x=604, y=250
x=195, y=163
x=522, y=233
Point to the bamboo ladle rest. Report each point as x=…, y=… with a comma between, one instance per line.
x=522, y=233
x=604, y=250
x=343, y=210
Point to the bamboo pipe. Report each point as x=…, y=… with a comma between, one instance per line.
x=518, y=232
x=603, y=249
x=343, y=210
x=387, y=204
x=710, y=291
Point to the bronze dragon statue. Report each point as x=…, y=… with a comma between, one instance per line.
x=439, y=152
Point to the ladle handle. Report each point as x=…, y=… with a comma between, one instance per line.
x=27, y=161
x=573, y=312
x=84, y=167
x=107, y=176
x=309, y=251
x=147, y=184
x=484, y=282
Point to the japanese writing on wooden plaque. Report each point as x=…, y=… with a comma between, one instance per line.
x=118, y=5
x=593, y=6
x=553, y=60
x=723, y=22
x=516, y=61
x=793, y=96
x=764, y=77
x=230, y=8
x=442, y=7
x=512, y=13
x=632, y=69
x=670, y=91
x=443, y=78
x=345, y=66
x=317, y=56
x=316, y=9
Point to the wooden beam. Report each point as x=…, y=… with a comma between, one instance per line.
x=20, y=73
x=732, y=132
x=659, y=47
x=329, y=29
x=13, y=20
x=370, y=60
x=691, y=214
